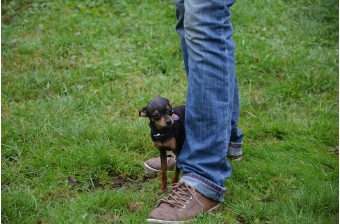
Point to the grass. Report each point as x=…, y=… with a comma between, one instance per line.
x=75, y=73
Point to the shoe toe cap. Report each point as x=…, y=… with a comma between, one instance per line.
x=163, y=214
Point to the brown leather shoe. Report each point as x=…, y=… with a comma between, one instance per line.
x=184, y=203
x=235, y=152
x=152, y=166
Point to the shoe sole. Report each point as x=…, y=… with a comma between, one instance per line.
x=149, y=168
x=178, y=222
x=234, y=158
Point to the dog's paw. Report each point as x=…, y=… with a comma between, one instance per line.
x=160, y=191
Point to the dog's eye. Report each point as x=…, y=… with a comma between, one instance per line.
x=156, y=116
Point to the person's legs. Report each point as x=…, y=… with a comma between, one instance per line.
x=209, y=110
x=209, y=103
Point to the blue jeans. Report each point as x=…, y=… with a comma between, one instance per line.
x=212, y=104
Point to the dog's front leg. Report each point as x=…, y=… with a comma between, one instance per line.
x=164, y=166
x=176, y=175
x=177, y=170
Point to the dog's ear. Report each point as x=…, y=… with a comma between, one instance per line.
x=143, y=112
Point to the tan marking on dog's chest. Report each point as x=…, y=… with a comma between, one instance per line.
x=168, y=145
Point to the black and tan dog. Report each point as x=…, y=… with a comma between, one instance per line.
x=167, y=132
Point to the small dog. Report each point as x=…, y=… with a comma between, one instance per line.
x=167, y=132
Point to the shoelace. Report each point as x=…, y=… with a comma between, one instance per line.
x=179, y=195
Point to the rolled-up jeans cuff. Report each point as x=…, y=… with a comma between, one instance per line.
x=235, y=149
x=204, y=186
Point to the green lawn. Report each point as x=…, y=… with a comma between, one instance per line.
x=75, y=74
